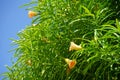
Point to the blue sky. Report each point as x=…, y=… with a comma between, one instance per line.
x=12, y=20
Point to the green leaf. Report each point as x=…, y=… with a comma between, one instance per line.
x=29, y=4
x=86, y=10
x=118, y=24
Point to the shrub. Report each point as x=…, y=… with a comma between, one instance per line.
x=43, y=49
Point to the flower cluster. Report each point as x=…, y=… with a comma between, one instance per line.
x=71, y=63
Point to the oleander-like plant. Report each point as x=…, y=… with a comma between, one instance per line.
x=68, y=40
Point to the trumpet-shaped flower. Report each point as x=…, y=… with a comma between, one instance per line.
x=32, y=14
x=71, y=63
x=74, y=46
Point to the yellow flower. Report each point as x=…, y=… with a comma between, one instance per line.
x=32, y=14
x=71, y=63
x=74, y=46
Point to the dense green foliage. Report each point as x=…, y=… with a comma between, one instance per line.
x=43, y=47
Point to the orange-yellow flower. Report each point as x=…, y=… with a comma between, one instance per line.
x=74, y=46
x=71, y=63
x=32, y=14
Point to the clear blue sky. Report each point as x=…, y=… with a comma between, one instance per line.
x=12, y=20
